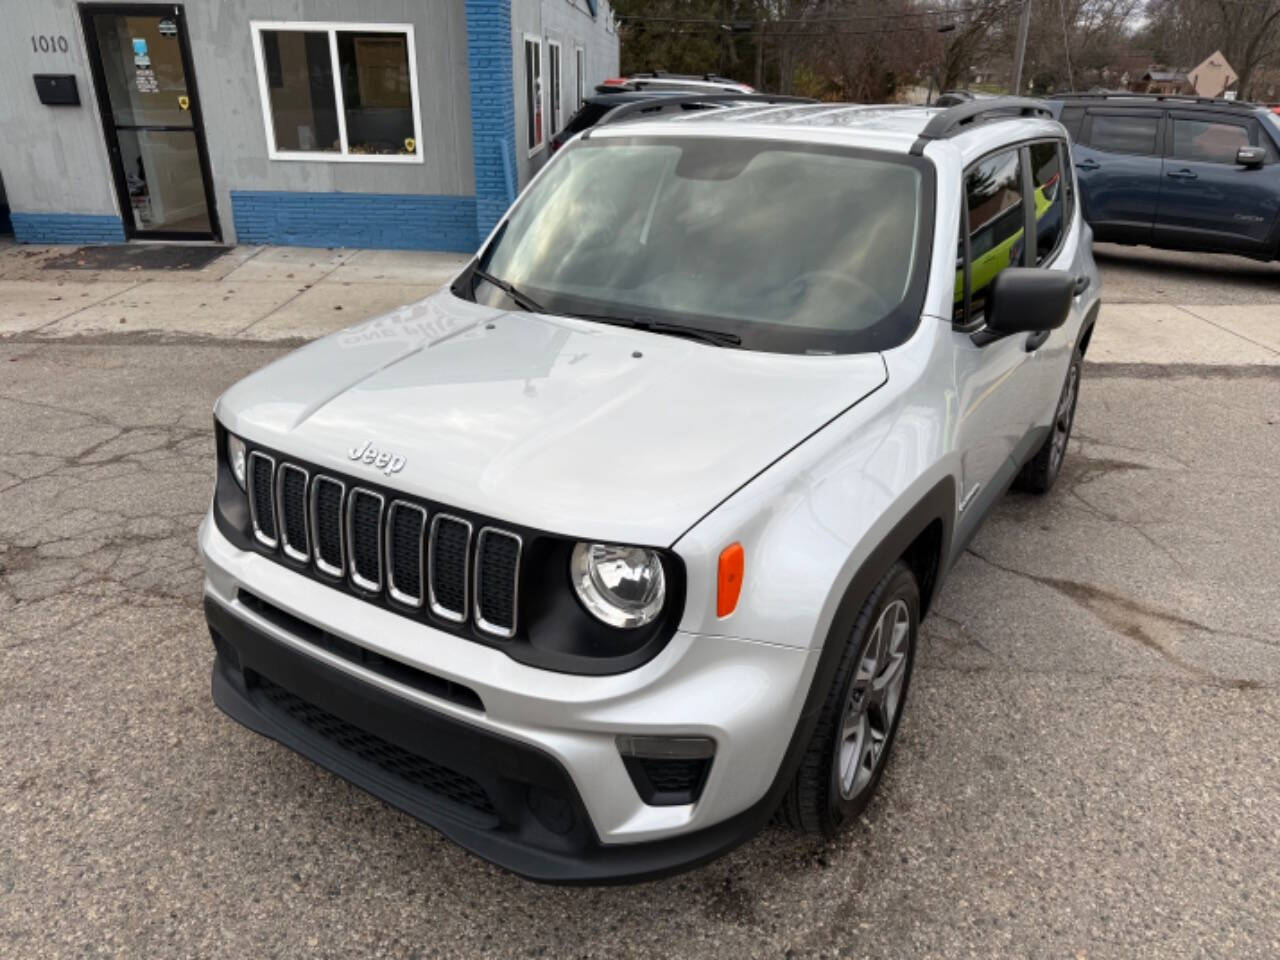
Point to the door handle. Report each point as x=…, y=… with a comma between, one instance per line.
x=1082, y=284
x=1182, y=174
x=1089, y=164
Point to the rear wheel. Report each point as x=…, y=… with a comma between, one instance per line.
x=850, y=745
x=1039, y=473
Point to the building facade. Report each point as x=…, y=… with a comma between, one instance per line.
x=378, y=123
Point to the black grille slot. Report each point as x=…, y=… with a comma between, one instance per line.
x=420, y=680
x=425, y=774
x=497, y=563
x=262, y=494
x=364, y=534
x=326, y=523
x=293, y=511
x=450, y=542
x=404, y=552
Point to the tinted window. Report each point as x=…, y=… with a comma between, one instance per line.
x=1124, y=134
x=588, y=116
x=792, y=248
x=1046, y=177
x=1070, y=118
x=993, y=188
x=1213, y=141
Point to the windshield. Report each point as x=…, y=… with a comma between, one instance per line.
x=791, y=247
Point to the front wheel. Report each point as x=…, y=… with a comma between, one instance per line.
x=850, y=745
x=1039, y=473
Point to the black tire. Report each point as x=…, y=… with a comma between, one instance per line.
x=1039, y=473
x=817, y=800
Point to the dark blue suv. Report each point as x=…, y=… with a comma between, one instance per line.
x=1183, y=173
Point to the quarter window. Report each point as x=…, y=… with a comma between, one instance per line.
x=1210, y=141
x=1124, y=134
x=338, y=91
x=533, y=92
x=993, y=192
x=1047, y=181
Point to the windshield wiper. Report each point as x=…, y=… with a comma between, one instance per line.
x=522, y=300
x=718, y=338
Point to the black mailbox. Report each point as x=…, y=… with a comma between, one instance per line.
x=57, y=89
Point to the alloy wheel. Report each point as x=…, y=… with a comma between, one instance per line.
x=875, y=695
x=1063, y=417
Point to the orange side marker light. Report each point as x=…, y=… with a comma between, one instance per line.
x=729, y=581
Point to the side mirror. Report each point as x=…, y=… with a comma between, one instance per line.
x=1029, y=300
x=1251, y=156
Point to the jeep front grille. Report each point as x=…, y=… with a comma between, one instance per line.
x=382, y=547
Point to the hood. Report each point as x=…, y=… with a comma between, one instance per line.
x=558, y=424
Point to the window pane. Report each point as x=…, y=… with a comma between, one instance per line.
x=1046, y=176
x=300, y=90
x=376, y=93
x=1208, y=140
x=555, y=89
x=1131, y=134
x=533, y=91
x=993, y=188
x=1071, y=117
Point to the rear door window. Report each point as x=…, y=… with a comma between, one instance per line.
x=1050, y=197
x=1124, y=133
x=1211, y=140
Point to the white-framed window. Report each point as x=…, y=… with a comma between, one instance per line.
x=556, y=91
x=580, y=75
x=533, y=93
x=338, y=91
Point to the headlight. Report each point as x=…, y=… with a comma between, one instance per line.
x=236, y=458
x=621, y=586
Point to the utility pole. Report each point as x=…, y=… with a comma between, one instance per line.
x=1024, y=27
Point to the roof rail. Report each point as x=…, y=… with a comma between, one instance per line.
x=962, y=116
x=696, y=101
x=1159, y=97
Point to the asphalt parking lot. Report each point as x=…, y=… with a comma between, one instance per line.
x=1088, y=765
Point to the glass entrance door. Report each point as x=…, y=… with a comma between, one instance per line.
x=152, y=121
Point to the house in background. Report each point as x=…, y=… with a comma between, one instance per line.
x=1213, y=77
x=383, y=123
x=1160, y=80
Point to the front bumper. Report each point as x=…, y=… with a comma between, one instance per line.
x=540, y=746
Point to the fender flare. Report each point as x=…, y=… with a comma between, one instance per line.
x=1086, y=328
x=939, y=504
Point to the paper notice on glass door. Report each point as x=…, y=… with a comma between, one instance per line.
x=146, y=81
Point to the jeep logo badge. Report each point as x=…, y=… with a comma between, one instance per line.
x=388, y=463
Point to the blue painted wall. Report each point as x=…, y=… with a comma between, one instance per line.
x=66, y=228
x=395, y=221
x=493, y=109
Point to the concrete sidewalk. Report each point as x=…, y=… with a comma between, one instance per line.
x=253, y=293
x=1159, y=307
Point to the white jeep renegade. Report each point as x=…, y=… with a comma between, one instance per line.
x=619, y=546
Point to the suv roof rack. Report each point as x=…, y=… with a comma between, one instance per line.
x=695, y=101
x=1187, y=99
x=664, y=75
x=958, y=119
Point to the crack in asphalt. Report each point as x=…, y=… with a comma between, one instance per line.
x=1135, y=620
